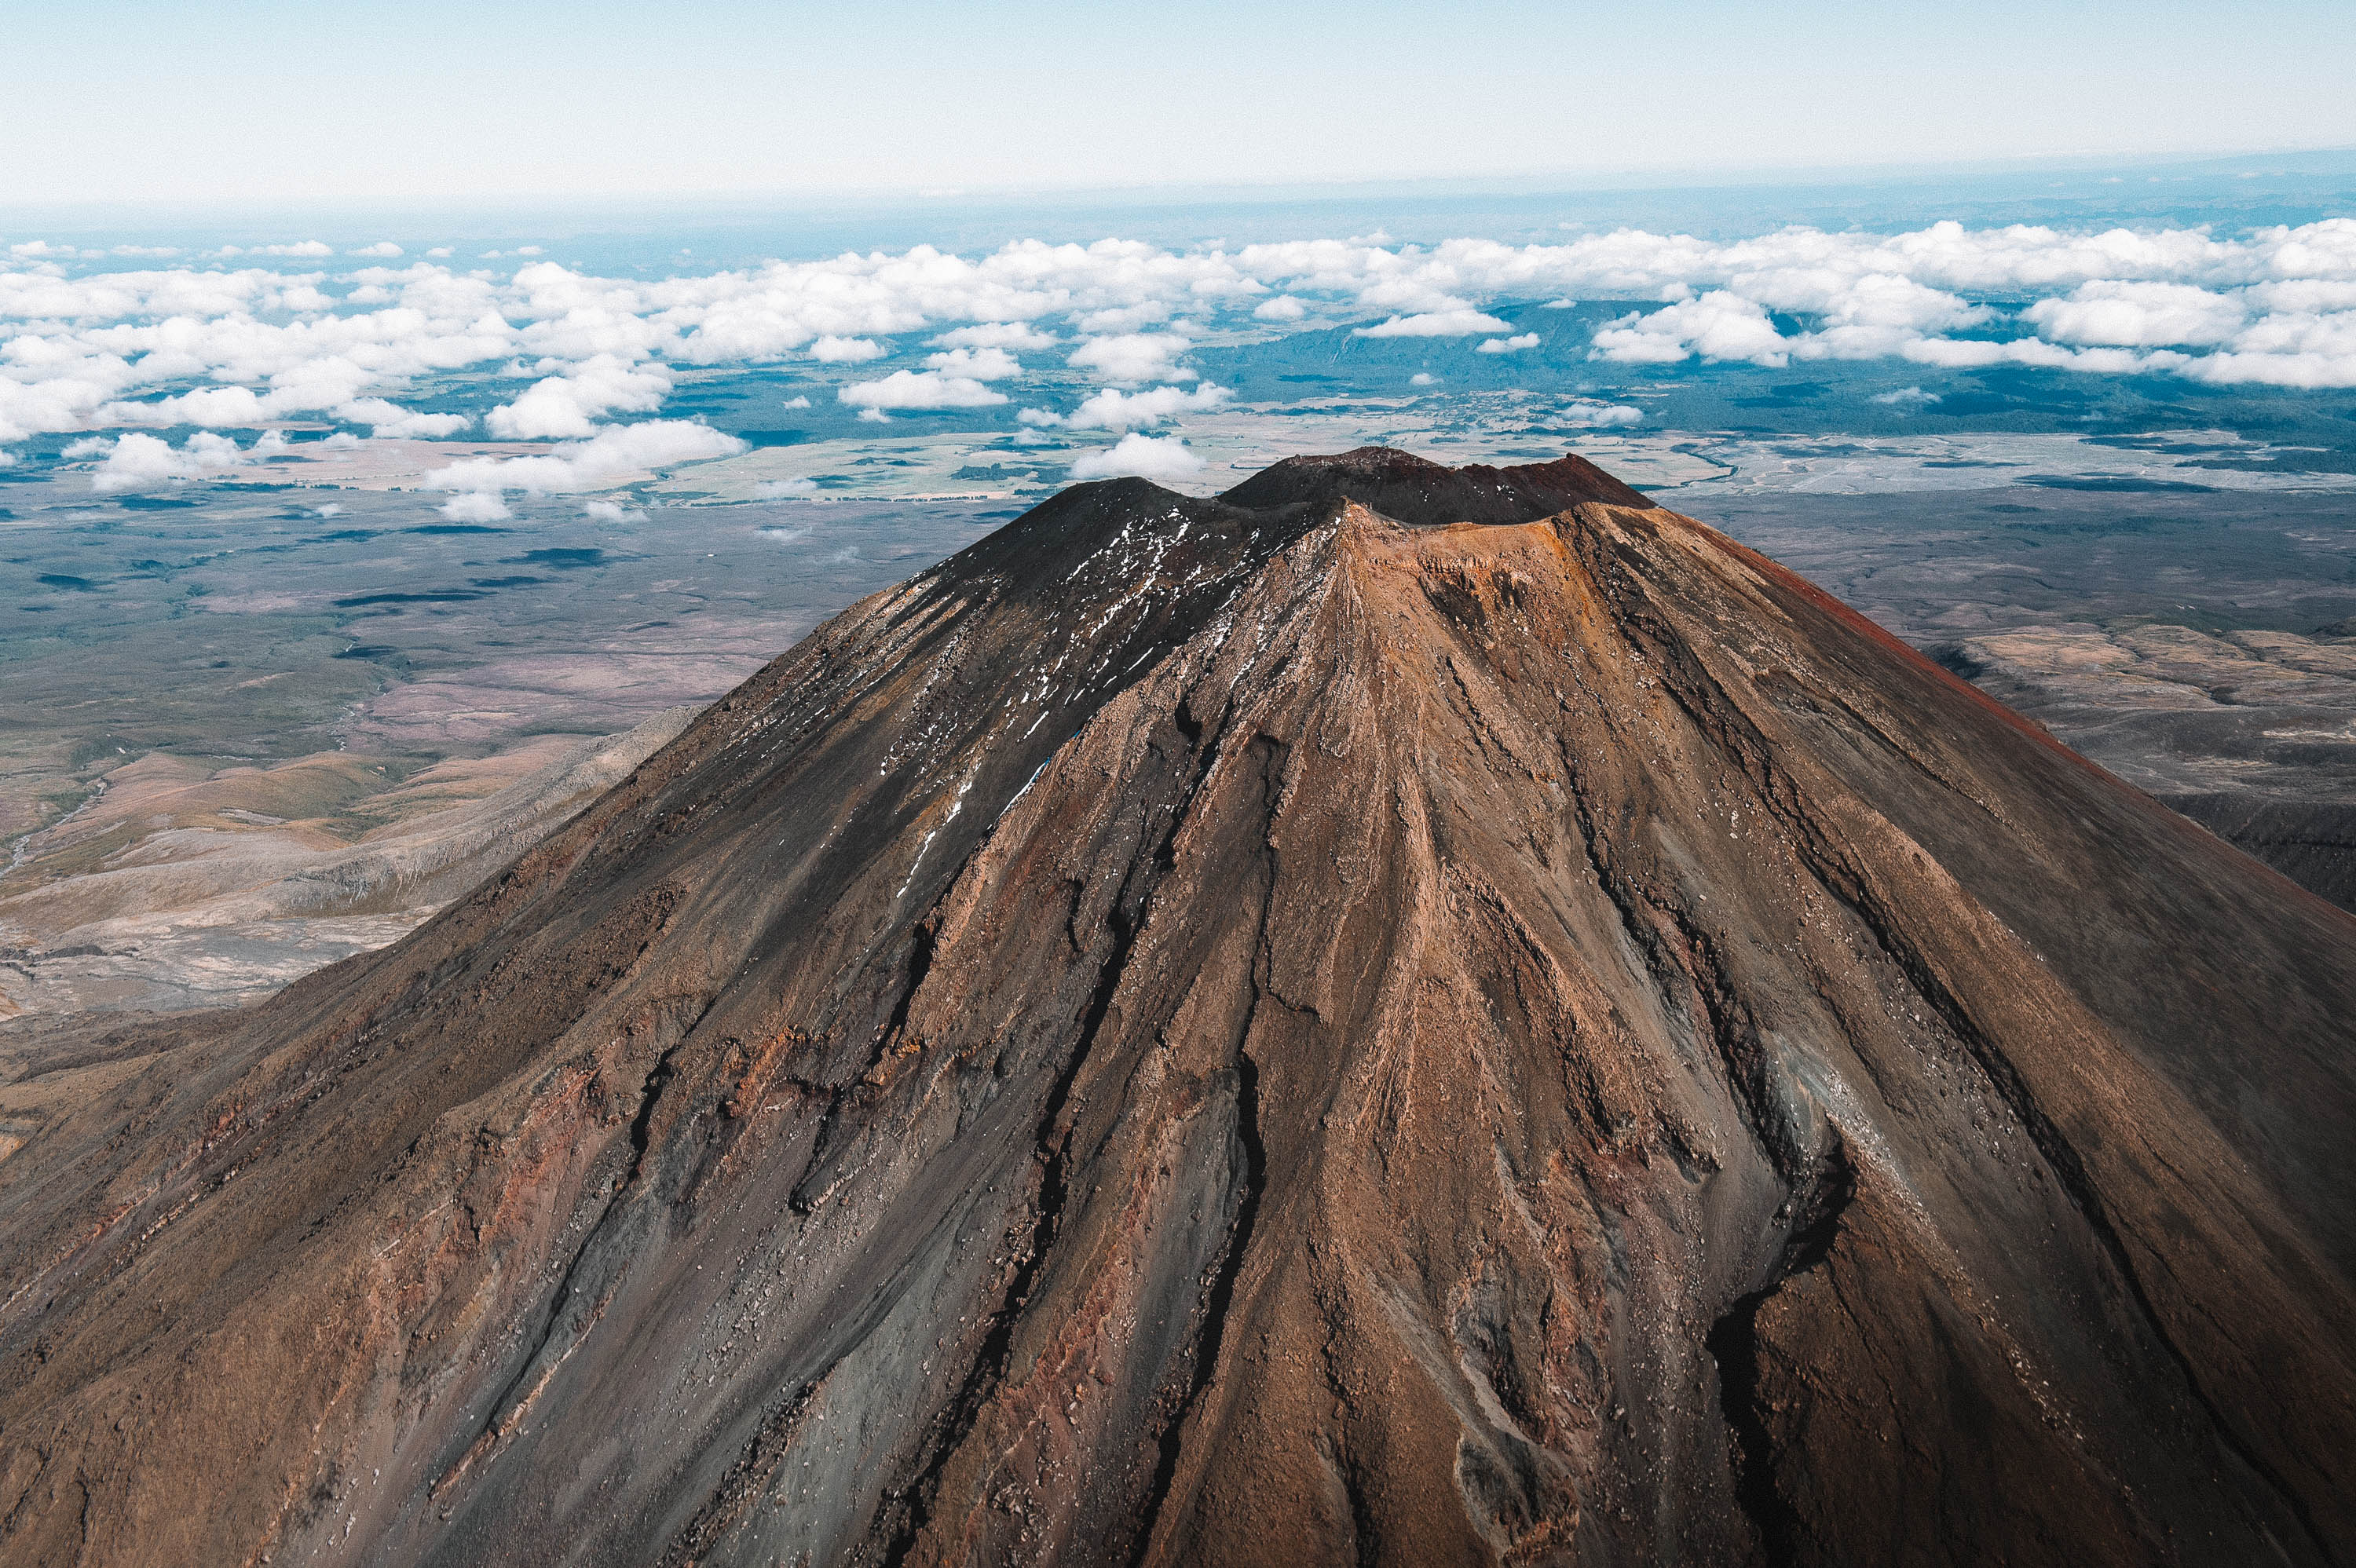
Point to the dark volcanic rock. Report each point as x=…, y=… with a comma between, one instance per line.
x=1420, y=493
x=1246, y=1031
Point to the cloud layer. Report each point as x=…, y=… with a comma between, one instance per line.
x=218, y=346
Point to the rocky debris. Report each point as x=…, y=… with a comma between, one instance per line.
x=1265, y=1030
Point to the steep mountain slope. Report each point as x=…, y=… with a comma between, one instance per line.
x=1289, y=1028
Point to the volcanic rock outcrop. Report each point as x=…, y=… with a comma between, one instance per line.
x=1399, y=1015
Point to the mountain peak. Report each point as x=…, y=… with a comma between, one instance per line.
x=1250, y=1030
x=1423, y=494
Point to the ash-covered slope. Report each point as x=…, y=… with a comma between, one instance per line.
x=1250, y=1031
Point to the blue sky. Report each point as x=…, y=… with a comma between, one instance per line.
x=266, y=100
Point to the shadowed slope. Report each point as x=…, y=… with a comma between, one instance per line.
x=1201, y=1033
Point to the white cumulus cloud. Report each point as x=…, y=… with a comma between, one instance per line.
x=139, y=461
x=387, y=419
x=600, y=463
x=1129, y=358
x=1459, y=323
x=568, y=406
x=1717, y=326
x=475, y=506
x=1113, y=409
x=215, y=407
x=1163, y=459
x=1122, y=319
x=918, y=389
x=832, y=350
x=1586, y=413
x=1007, y=335
x=976, y=364
x=2139, y=315
x=1513, y=345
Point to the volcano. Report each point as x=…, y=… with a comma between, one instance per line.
x=1400, y=1015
